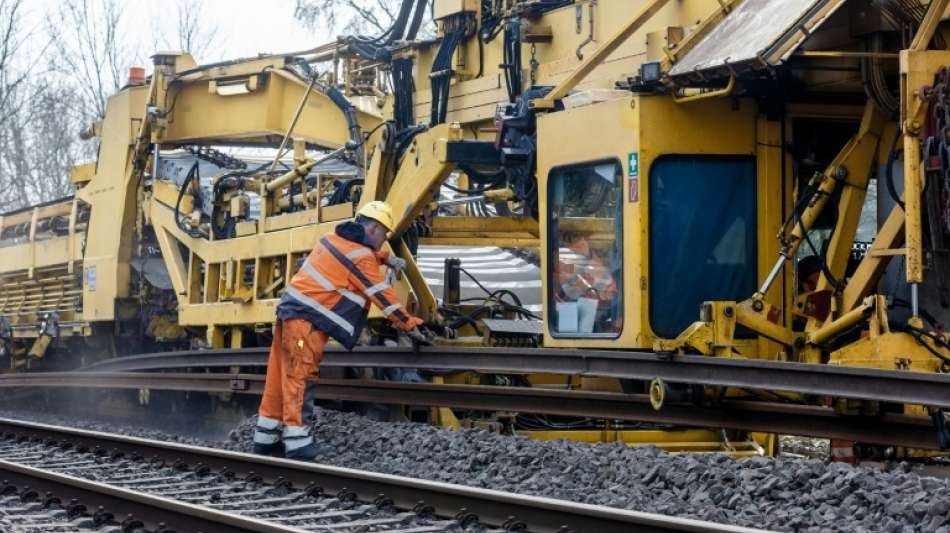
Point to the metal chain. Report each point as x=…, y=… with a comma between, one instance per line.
x=936, y=146
x=534, y=64
x=216, y=157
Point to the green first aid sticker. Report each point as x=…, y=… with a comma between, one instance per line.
x=633, y=165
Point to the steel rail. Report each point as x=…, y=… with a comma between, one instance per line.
x=787, y=419
x=492, y=507
x=894, y=386
x=243, y=383
x=769, y=417
x=155, y=512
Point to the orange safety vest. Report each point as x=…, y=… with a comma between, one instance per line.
x=334, y=287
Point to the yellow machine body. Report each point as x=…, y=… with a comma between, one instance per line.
x=636, y=109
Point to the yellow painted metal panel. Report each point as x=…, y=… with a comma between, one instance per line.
x=49, y=253
x=651, y=127
x=771, y=203
x=81, y=174
x=111, y=195
x=258, y=116
x=556, y=59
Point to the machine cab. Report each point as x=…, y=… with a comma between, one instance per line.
x=650, y=208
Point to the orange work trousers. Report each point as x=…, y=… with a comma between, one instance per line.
x=294, y=359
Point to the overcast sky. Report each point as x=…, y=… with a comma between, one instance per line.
x=244, y=27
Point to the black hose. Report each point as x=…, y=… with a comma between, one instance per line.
x=889, y=170
x=824, y=264
x=192, y=175
x=417, y=20
x=497, y=296
x=512, y=58
x=481, y=177
x=402, y=19
x=919, y=335
x=401, y=74
x=462, y=191
x=441, y=76
x=795, y=218
x=465, y=319
x=481, y=59
x=352, y=124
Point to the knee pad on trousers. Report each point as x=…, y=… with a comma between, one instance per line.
x=267, y=430
x=296, y=437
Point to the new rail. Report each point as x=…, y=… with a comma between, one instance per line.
x=919, y=388
x=770, y=417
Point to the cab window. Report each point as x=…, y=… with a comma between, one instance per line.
x=702, y=236
x=585, y=263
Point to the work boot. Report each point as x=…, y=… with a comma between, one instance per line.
x=267, y=437
x=308, y=452
x=298, y=444
x=272, y=450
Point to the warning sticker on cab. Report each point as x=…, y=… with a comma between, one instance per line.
x=633, y=162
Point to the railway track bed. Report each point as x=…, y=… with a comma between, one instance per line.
x=783, y=493
x=162, y=484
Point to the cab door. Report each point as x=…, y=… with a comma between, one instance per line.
x=649, y=208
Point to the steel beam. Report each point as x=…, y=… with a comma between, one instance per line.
x=912, y=432
x=893, y=386
x=812, y=421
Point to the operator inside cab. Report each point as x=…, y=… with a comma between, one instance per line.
x=329, y=297
x=585, y=230
x=582, y=279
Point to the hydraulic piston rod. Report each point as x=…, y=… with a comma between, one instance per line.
x=856, y=156
x=300, y=171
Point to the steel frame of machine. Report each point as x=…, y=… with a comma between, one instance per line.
x=227, y=287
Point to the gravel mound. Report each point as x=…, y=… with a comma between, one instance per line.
x=784, y=493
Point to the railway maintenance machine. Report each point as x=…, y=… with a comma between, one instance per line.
x=741, y=179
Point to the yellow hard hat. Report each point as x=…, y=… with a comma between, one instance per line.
x=378, y=211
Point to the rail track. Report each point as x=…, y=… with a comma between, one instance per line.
x=783, y=418
x=819, y=381
x=897, y=386
x=154, y=486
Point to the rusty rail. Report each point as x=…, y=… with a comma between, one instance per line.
x=813, y=421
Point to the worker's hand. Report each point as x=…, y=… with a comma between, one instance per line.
x=419, y=337
x=398, y=264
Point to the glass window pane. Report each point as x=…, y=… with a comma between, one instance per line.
x=586, y=262
x=702, y=236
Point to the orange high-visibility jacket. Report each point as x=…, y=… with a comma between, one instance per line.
x=334, y=287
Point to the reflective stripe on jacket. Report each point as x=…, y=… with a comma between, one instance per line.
x=334, y=287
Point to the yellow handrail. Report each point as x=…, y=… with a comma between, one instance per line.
x=725, y=91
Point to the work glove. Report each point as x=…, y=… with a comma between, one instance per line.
x=419, y=337
x=398, y=264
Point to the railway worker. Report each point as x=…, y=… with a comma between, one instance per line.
x=581, y=273
x=328, y=298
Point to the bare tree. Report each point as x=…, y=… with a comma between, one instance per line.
x=11, y=42
x=21, y=82
x=192, y=32
x=39, y=146
x=40, y=114
x=348, y=16
x=194, y=35
x=91, y=50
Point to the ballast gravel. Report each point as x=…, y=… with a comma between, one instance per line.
x=783, y=493
x=787, y=494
